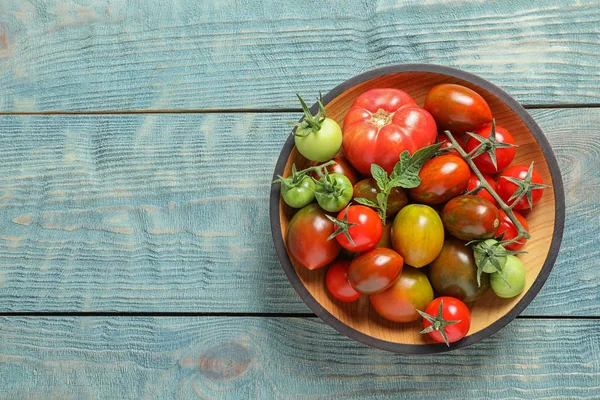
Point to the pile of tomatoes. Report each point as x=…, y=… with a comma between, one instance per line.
x=399, y=215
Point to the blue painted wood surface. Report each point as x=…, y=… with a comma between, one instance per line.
x=284, y=358
x=123, y=55
x=168, y=212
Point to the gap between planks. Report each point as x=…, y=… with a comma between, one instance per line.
x=247, y=110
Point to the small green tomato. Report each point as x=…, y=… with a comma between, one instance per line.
x=514, y=273
x=484, y=253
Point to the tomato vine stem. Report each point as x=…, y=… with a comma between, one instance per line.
x=521, y=231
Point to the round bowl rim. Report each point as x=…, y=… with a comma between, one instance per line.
x=557, y=234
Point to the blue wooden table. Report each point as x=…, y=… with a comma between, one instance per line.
x=137, y=144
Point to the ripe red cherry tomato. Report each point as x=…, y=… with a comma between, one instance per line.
x=307, y=237
x=510, y=231
x=443, y=138
x=375, y=270
x=504, y=156
x=457, y=108
x=337, y=282
x=442, y=178
x=506, y=188
x=366, y=229
x=484, y=194
x=452, y=310
x=380, y=125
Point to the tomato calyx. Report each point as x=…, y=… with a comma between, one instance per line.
x=381, y=118
x=490, y=256
x=405, y=175
x=312, y=122
x=438, y=323
x=342, y=226
x=488, y=145
x=525, y=188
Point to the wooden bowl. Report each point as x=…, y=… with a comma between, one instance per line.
x=490, y=313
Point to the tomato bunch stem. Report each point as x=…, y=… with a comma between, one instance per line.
x=521, y=231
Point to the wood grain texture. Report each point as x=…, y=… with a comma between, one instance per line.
x=147, y=213
x=98, y=55
x=283, y=358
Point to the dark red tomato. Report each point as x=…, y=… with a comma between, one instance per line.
x=510, y=231
x=400, y=302
x=504, y=156
x=342, y=166
x=375, y=270
x=470, y=217
x=443, y=138
x=366, y=229
x=307, y=237
x=506, y=188
x=452, y=310
x=337, y=282
x=368, y=189
x=484, y=194
x=454, y=272
x=380, y=125
x=442, y=178
x=457, y=108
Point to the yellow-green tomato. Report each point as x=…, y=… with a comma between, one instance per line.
x=514, y=272
x=418, y=234
x=320, y=144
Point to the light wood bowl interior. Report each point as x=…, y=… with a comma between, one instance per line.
x=360, y=316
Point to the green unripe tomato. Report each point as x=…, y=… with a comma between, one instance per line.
x=485, y=264
x=333, y=192
x=514, y=272
x=299, y=195
x=319, y=145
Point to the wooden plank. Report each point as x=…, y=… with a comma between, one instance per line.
x=167, y=213
x=97, y=55
x=249, y=358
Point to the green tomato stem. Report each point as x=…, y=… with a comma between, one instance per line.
x=521, y=231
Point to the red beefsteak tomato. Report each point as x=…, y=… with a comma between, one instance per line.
x=380, y=125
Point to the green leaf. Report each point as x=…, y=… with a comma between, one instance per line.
x=406, y=171
x=366, y=202
x=381, y=198
x=379, y=175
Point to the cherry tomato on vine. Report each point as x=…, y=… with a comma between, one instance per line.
x=510, y=231
x=359, y=228
x=380, y=125
x=442, y=178
x=527, y=182
x=446, y=320
x=400, y=302
x=512, y=281
x=457, y=108
x=333, y=192
x=470, y=217
x=375, y=270
x=474, y=182
x=443, y=137
x=504, y=156
x=337, y=283
x=317, y=137
x=307, y=237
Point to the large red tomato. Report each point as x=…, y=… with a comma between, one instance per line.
x=307, y=238
x=380, y=125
